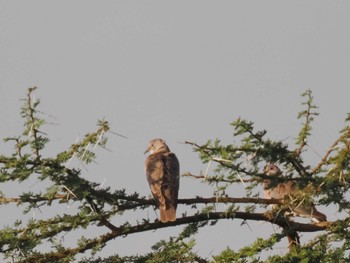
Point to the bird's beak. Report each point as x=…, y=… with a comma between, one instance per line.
x=147, y=150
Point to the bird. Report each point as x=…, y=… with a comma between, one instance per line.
x=163, y=175
x=288, y=188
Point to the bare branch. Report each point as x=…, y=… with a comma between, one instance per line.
x=211, y=178
x=243, y=200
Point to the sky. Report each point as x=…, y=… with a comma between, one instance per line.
x=177, y=70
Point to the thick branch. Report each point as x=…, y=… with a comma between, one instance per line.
x=244, y=200
x=123, y=231
x=293, y=240
x=279, y=220
x=147, y=202
x=203, y=200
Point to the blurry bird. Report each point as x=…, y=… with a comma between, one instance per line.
x=163, y=175
x=288, y=189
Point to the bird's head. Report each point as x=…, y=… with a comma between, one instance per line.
x=272, y=170
x=157, y=145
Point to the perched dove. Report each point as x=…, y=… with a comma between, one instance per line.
x=162, y=171
x=288, y=188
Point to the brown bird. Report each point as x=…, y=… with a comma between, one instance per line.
x=163, y=175
x=288, y=189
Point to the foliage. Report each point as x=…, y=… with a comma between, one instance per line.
x=326, y=183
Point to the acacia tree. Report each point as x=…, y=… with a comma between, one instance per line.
x=327, y=183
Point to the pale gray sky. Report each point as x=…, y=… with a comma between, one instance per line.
x=179, y=70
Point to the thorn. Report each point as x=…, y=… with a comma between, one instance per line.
x=207, y=170
x=69, y=161
x=86, y=149
x=98, y=140
x=118, y=134
x=69, y=191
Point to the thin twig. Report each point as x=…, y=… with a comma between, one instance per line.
x=118, y=134
x=325, y=157
x=210, y=178
x=228, y=161
x=34, y=199
x=306, y=126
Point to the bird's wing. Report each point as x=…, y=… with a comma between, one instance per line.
x=171, y=178
x=266, y=189
x=282, y=189
x=155, y=173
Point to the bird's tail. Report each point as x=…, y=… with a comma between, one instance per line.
x=319, y=217
x=311, y=212
x=167, y=214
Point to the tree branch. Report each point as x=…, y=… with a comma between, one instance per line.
x=329, y=151
x=245, y=200
x=147, y=202
x=305, y=131
x=213, y=178
x=33, y=199
x=33, y=128
x=124, y=231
